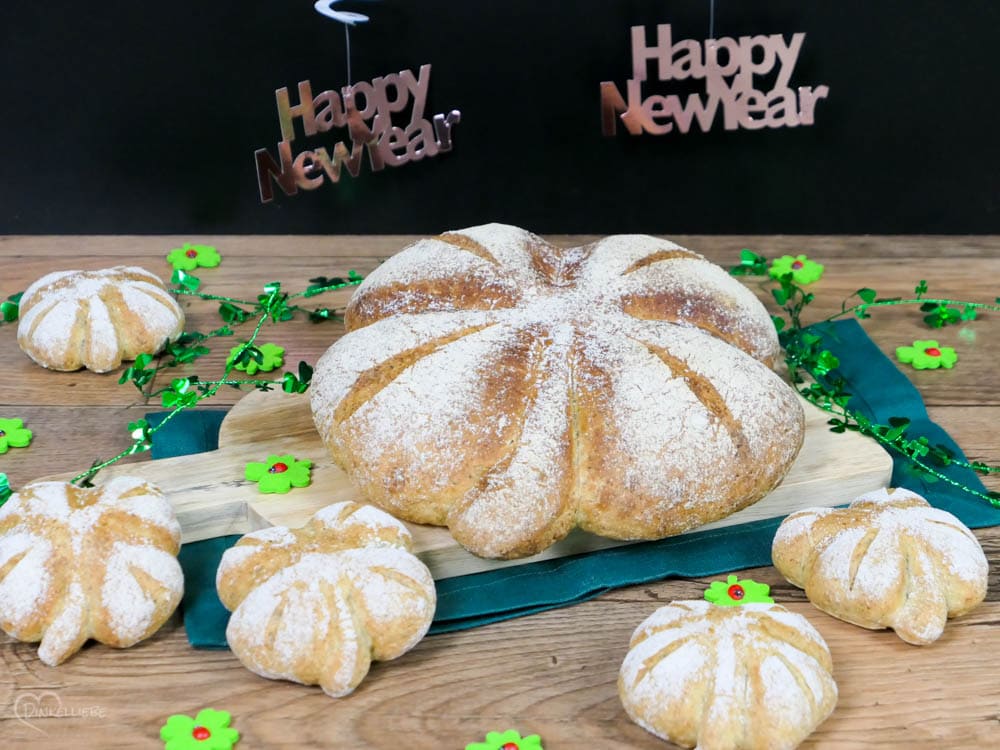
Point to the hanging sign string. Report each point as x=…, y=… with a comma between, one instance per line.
x=372, y=113
x=348, y=18
x=711, y=18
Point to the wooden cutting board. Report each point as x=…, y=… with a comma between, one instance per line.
x=213, y=499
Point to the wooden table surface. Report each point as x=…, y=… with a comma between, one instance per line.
x=554, y=673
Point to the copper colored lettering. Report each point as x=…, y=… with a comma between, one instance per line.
x=731, y=69
x=267, y=168
x=304, y=109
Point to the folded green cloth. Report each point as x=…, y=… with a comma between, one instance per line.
x=880, y=391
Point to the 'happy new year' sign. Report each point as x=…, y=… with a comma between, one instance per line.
x=366, y=109
x=729, y=68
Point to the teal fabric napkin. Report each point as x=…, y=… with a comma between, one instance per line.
x=205, y=618
x=880, y=391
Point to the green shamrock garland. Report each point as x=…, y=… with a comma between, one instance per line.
x=9, y=309
x=186, y=392
x=813, y=370
x=263, y=358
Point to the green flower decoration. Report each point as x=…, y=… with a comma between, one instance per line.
x=509, y=740
x=279, y=474
x=190, y=256
x=209, y=730
x=272, y=356
x=13, y=435
x=927, y=355
x=803, y=270
x=734, y=592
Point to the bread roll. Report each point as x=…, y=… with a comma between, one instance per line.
x=890, y=560
x=79, y=563
x=96, y=319
x=750, y=677
x=317, y=605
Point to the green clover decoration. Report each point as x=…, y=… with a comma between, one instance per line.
x=927, y=355
x=209, y=730
x=13, y=435
x=272, y=356
x=190, y=257
x=803, y=270
x=5, y=490
x=733, y=592
x=9, y=310
x=279, y=474
x=509, y=740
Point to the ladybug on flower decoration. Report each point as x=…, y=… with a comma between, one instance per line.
x=189, y=257
x=734, y=592
x=209, y=730
x=927, y=355
x=509, y=740
x=803, y=270
x=278, y=474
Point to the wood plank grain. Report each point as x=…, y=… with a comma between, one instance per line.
x=552, y=674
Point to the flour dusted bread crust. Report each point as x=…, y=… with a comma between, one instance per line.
x=750, y=677
x=96, y=319
x=513, y=390
x=79, y=563
x=890, y=560
x=316, y=605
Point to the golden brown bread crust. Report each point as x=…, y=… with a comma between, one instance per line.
x=317, y=604
x=96, y=319
x=889, y=560
x=79, y=563
x=512, y=390
x=750, y=677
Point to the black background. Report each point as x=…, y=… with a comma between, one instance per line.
x=136, y=117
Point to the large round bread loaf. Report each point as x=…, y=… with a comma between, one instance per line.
x=513, y=390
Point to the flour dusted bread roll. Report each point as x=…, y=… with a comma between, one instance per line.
x=513, y=390
x=96, y=319
x=890, y=560
x=79, y=563
x=751, y=677
x=317, y=605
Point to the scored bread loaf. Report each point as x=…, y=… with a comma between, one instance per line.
x=513, y=390
x=96, y=319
